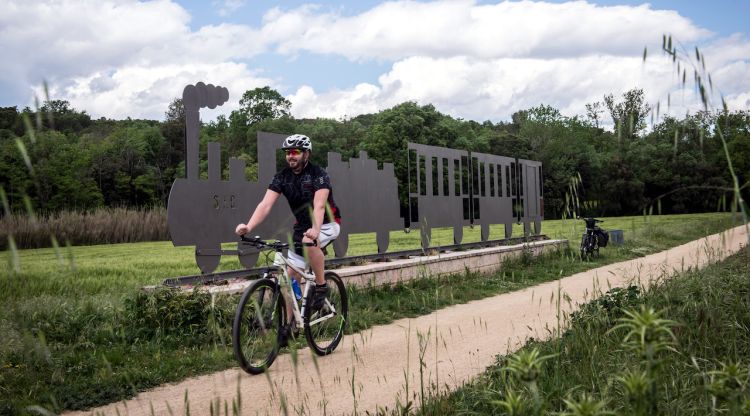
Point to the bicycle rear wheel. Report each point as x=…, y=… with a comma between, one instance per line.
x=325, y=328
x=584, y=246
x=257, y=326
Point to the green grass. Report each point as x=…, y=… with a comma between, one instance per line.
x=78, y=331
x=702, y=370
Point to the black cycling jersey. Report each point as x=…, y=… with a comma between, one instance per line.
x=299, y=190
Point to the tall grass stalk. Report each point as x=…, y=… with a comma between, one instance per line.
x=682, y=59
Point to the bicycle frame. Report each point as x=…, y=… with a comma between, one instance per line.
x=281, y=262
x=590, y=240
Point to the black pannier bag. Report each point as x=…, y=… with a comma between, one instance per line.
x=603, y=237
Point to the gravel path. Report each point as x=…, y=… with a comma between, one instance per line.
x=380, y=367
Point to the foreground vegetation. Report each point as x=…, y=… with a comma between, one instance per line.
x=678, y=348
x=78, y=332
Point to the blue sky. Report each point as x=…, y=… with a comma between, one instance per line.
x=480, y=60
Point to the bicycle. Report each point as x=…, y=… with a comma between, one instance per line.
x=261, y=314
x=591, y=239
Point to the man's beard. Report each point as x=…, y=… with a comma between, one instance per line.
x=299, y=165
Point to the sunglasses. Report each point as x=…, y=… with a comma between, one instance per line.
x=293, y=152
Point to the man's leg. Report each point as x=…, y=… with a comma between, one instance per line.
x=317, y=261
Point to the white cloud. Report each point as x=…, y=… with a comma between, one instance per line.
x=487, y=89
x=486, y=62
x=144, y=92
x=363, y=98
x=69, y=38
x=226, y=7
x=119, y=58
x=397, y=30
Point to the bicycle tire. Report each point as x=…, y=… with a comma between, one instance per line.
x=257, y=325
x=584, y=246
x=323, y=337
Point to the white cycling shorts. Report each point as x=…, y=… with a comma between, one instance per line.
x=328, y=233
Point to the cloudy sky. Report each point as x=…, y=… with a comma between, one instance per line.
x=479, y=60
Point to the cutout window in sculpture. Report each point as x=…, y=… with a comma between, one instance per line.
x=422, y=176
x=435, y=181
x=507, y=182
x=492, y=180
x=465, y=175
x=446, y=185
x=412, y=170
x=499, y=180
x=457, y=177
x=483, y=179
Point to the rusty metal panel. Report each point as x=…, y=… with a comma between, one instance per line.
x=204, y=212
x=495, y=208
x=367, y=197
x=532, y=196
x=435, y=208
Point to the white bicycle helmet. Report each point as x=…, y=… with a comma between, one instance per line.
x=297, y=141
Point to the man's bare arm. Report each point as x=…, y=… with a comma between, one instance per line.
x=260, y=213
x=319, y=209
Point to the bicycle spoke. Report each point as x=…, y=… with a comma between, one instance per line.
x=256, y=328
x=325, y=328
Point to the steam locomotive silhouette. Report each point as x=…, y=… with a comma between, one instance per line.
x=448, y=188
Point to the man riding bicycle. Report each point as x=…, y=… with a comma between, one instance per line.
x=307, y=188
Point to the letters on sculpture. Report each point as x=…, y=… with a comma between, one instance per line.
x=447, y=188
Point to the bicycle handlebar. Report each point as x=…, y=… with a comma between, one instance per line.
x=274, y=245
x=590, y=219
x=259, y=243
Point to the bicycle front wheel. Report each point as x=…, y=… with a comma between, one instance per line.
x=324, y=328
x=257, y=326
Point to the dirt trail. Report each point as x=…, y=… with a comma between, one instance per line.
x=369, y=370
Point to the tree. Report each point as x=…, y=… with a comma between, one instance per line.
x=593, y=111
x=263, y=103
x=173, y=130
x=59, y=115
x=629, y=115
x=9, y=119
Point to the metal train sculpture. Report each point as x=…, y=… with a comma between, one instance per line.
x=447, y=188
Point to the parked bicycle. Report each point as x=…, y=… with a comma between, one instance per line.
x=593, y=238
x=262, y=315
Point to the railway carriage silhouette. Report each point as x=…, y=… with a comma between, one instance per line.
x=457, y=188
x=448, y=188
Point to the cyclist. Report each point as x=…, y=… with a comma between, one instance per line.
x=307, y=188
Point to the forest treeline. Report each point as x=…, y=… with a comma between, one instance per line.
x=57, y=158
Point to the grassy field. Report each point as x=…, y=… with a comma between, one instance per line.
x=692, y=357
x=78, y=332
